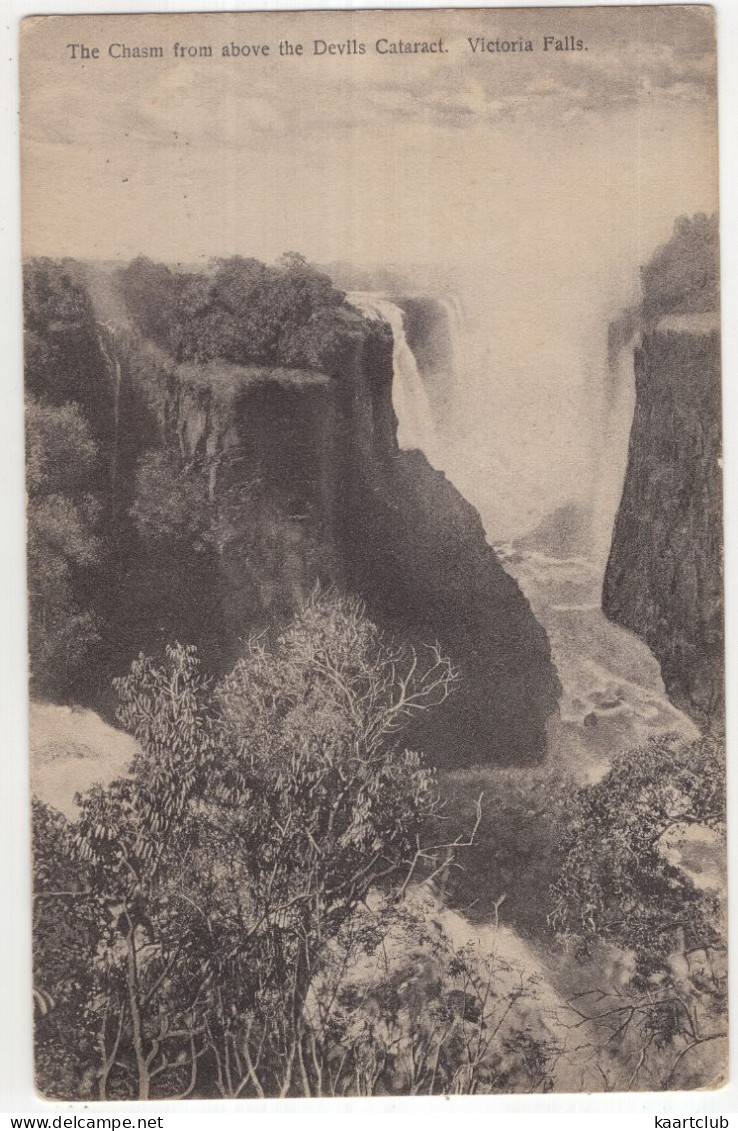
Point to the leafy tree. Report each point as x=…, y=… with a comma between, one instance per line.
x=61, y=361
x=63, y=929
x=256, y=820
x=310, y=804
x=241, y=310
x=150, y=293
x=625, y=886
x=683, y=276
x=52, y=297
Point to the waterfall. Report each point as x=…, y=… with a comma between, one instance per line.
x=612, y=457
x=415, y=426
x=609, y=677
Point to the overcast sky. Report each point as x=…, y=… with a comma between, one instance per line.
x=543, y=179
x=367, y=157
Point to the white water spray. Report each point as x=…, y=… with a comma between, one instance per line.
x=612, y=457
x=415, y=425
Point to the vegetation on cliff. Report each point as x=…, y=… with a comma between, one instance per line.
x=683, y=276
x=246, y=451
x=241, y=310
x=257, y=907
x=127, y=530
x=227, y=909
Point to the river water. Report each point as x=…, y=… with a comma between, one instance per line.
x=613, y=695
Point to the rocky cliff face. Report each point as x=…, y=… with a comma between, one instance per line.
x=664, y=575
x=307, y=469
x=239, y=487
x=264, y=454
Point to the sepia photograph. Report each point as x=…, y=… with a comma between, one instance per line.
x=372, y=372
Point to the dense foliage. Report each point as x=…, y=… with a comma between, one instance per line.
x=241, y=310
x=683, y=276
x=259, y=850
x=66, y=466
x=641, y=879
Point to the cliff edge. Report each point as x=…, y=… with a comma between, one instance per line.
x=664, y=574
x=246, y=452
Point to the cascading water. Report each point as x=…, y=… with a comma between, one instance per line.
x=415, y=425
x=613, y=694
x=612, y=454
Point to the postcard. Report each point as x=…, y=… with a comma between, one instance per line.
x=374, y=496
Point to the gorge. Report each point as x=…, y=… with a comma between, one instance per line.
x=209, y=453
x=230, y=489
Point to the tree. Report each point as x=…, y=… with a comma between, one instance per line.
x=257, y=819
x=241, y=310
x=310, y=803
x=63, y=930
x=683, y=275
x=321, y=801
x=626, y=886
x=150, y=293
x=61, y=361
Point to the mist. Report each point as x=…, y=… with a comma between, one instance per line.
x=530, y=197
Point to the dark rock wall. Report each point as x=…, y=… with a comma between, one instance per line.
x=416, y=552
x=293, y=478
x=664, y=575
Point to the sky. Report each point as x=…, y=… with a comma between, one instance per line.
x=536, y=182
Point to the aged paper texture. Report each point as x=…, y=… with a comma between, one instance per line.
x=372, y=365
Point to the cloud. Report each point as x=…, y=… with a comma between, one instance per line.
x=660, y=57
